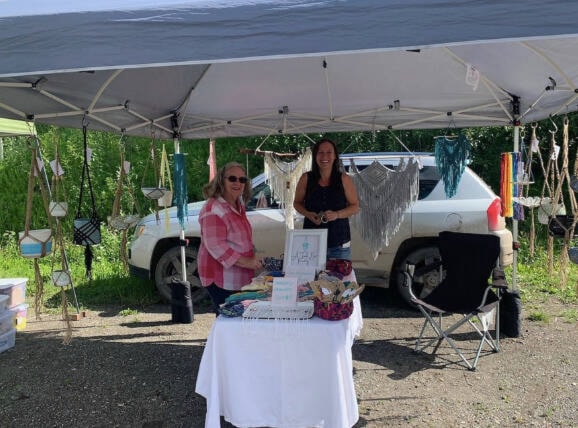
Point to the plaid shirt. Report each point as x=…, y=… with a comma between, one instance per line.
x=226, y=235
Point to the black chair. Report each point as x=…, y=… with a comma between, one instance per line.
x=467, y=261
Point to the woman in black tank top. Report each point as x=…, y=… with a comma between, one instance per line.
x=326, y=197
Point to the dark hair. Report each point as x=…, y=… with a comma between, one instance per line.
x=336, y=167
x=216, y=186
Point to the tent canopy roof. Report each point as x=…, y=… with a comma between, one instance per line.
x=212, y=68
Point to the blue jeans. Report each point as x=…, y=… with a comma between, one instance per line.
x=340, y=252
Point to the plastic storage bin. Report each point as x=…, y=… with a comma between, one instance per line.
x=20, y=312
x=7, y=340
x=4, y=301
x=6, y=321
x=15, y=289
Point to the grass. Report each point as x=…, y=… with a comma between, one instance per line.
x=111, y=283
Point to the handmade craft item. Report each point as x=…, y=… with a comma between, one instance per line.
x=283, y=177
x=384, y=196
x=86, y=227
x=451, y=157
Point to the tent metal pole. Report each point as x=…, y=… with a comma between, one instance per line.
x=515, y=221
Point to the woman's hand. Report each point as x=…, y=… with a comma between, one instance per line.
x=315, y=218
x=331, y=215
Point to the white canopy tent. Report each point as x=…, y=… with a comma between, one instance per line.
x=211, y=68
x=254, y=67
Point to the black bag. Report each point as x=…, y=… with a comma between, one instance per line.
x=511, y=314
x=181, y=302
x=86, y=228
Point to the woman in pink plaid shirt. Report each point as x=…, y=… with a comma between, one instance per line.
x=226, y=260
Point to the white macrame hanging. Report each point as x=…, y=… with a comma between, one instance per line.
x=384, y=196
x=283, y=177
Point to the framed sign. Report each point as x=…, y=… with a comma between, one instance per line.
x=305, y=250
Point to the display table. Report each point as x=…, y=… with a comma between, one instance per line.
x=273, y=373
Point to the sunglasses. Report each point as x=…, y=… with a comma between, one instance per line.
x=234, y=179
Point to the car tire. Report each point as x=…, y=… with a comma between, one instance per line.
x=169, y=267
x=421, y=284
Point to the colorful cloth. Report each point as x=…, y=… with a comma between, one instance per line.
x=226, y=235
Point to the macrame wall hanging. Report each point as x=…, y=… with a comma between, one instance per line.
x=451, y=155
x=283, y=177
x=384, y=196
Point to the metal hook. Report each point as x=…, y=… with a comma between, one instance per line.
x=555, y=126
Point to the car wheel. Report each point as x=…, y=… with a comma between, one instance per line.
x=424, y=280
x=169, y=267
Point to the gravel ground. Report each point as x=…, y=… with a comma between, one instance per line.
x=139, y=371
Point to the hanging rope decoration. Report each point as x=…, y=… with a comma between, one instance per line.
x=451, y=156
x=36, y=243
x=86, y=229
x=181, y=198
x=61, y=278
x=283, y=177
x=165, y=177
x=384, y=196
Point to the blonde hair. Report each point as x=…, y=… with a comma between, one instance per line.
x=216, y=187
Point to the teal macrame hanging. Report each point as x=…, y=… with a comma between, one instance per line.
x=451, y=157
x=180, y=197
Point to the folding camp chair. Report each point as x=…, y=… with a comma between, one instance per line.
x=467, y=261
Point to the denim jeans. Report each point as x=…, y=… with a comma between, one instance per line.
x=340, y=252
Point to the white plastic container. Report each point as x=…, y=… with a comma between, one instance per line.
x=20, y=313
x=4, y=301
x=15, y=289
x=7, y=340
x=6, y=321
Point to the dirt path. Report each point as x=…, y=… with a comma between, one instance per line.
x=140, y=370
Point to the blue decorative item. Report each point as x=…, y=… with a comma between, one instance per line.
x=180, y=197
x=451, y=157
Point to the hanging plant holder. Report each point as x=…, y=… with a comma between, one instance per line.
x=166, y=200
x=117, y=220
x=58, y=206
x=58, y=209
x=157, y=190
x=61, y=278
x=154, y=192
x=35, y=243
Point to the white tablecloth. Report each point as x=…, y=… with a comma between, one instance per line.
x=272, y=373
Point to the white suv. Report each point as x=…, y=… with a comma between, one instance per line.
x=155, y=253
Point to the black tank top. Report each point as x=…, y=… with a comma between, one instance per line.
x=322, y=198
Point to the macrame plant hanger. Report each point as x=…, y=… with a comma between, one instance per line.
x=120, y=220
x=562, y=221
x=36, y=243
x=156, y=191
x=551, y=206
x=60, y=274
x=165, y=182
x=527, y=180
x=86, y=229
